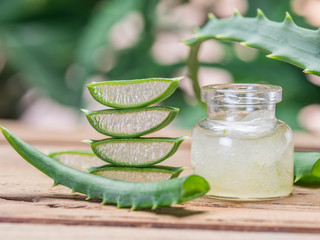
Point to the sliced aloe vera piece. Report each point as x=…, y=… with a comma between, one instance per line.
x=132, y=174
x=133, y=93
x=77, y=159
x=131, y=122
x=138, y=152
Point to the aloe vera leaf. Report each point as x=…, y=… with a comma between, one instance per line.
x=283, y=41
x=135, y=93
x=77, y=159
x=306, y=167
x=135, y=152
x=132, y=174
x=122, y=123
x=122, y=193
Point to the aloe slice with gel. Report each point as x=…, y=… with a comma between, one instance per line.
x=133, y=93
x=138, y=152
x=125, y=123
x=134, y=174
x=77, y=159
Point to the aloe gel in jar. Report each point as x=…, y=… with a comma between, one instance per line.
x=243, y=151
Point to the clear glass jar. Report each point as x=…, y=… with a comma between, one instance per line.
x=243, y=151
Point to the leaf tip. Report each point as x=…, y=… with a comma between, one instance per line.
x=86, y=168
x=185, y=137
x=236, y=13
x=219, y=36
x=272, y=56
x=246, y=44
x=88, y=197
x=85, y=110
x=178, y=79
x=311, y=71
x=296, y=179
x=288, y=19
x=181, y=139
x=211, y=16
x=155, y=206
x=133, y=207
x=3, y=129
x=88, y=141
x=118, y=206
x=260, y=14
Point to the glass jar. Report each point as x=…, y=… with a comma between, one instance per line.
x=241, y=148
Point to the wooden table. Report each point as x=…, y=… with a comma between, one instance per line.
x=30, y=208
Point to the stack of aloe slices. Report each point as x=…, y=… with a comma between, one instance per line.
x=130, y=156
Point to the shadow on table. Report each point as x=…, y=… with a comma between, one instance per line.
x=49, y=200
x=178, y=212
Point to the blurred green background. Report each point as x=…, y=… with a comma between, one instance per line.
x=49, y=50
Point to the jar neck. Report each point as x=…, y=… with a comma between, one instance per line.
x=234, y=113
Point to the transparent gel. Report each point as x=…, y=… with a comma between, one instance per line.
x=243, y=151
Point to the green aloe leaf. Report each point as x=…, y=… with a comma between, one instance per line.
x=132, y=174
x=122, y=193
x=133, y=93
x=137, y=152
x=123, y=123
x=76, y=158
x=283, y=41
x=307, y=167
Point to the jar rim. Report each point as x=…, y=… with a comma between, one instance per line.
x=241, y=93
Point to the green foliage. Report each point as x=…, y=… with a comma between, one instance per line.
x=307, y=168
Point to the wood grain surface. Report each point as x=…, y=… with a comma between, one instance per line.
x=30, y=208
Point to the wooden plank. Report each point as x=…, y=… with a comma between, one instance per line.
x=64, y=232
x=28, y=198
x=62, y=210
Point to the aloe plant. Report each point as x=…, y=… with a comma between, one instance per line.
x=284, y=41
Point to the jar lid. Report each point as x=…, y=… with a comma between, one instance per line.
x=241, y=94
